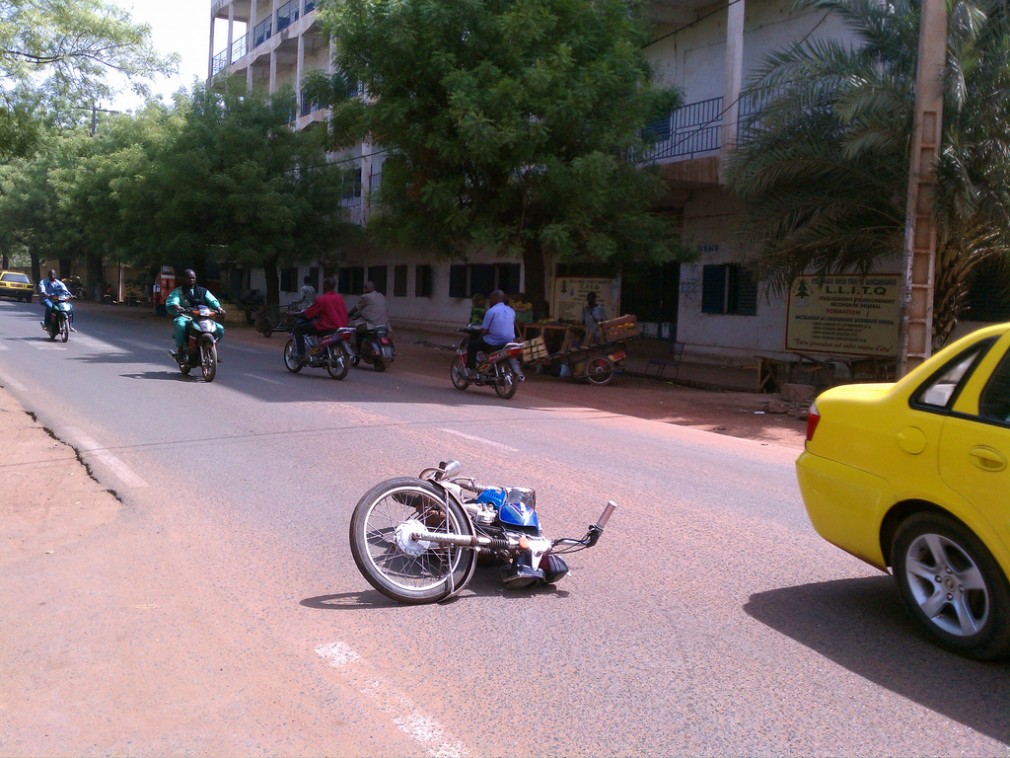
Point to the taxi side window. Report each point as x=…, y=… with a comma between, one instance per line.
x=939, y=392
x=994, y=402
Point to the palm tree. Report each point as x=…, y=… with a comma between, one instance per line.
x=823, y=164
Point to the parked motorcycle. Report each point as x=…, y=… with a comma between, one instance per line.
x=499, y=369
x=331, y=351
x=59, y=318
x=417, y=540
x=200, y=348
x=376, y=349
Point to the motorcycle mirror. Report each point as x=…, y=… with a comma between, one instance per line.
x=450, y=468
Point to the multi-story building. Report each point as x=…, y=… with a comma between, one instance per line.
x=715, y=305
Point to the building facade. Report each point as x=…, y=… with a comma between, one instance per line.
x=706, y=50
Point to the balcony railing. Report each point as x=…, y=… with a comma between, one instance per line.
x=696, y=128
x=288, y=13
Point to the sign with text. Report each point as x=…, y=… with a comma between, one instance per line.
x=844, y=315
x=570, y=296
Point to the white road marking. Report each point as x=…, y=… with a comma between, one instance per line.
x=408, y=718
x=123, y=472
x=48, y=345
x=263, y=379
x=482, y=440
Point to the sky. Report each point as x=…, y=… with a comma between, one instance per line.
x=177, y=26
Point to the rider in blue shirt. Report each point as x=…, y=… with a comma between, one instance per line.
x=49, y=288
x=498, y=327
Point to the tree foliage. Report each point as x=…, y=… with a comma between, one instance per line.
x=823, y=165
x=507, y=125
x=56, y=57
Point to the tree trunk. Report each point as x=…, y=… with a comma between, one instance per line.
x=36, y=267
x=535, y=271
x=93, y=264
x=273, y=282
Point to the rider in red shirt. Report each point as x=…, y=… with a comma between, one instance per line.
x=327, y=313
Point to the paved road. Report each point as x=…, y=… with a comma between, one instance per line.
x=219, y=610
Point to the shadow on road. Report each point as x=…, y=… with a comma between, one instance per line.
x=859, y=624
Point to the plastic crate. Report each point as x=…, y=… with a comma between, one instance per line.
x=534, y=350
x=620, y=328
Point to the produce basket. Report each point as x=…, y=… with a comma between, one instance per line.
x=620, y=328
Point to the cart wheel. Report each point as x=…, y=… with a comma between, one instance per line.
x=599, y=370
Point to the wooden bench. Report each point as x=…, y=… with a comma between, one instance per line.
x=661, y=364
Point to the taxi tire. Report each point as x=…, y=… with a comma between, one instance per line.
x=992, y=641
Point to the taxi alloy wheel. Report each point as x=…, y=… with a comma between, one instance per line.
x=952, y=586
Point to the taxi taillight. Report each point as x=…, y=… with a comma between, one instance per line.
x=813, y=419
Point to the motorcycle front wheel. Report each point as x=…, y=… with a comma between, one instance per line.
x=458, y=373
x=336, y=362
x=64, y=330
x=291, y=357
x=410, y=571
x=208, y=360
x=506, y=384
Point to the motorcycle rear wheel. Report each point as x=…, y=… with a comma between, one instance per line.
x=291, y=357
x=406, y=571
x=506, y=384
x=599, y=370
x=208, y=360
x=336, y=362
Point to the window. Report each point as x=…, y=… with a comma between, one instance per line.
x=377, y=275
x=351, y=280
x=465, y=280
x=941, y=389
x=399, y=281
x=289, y=280
x=422, y=280
x=728, y=288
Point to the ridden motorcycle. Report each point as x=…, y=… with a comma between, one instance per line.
x=417, y=540
x=59, y=317
x=200, y=347
x=500, y=368
x=330, y=350
x=376, y=348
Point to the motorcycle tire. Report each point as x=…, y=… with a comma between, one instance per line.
x=506, y=384
x=407, y=571
x=64, y=330
x=378, y=364
x=599, y=370
x=208, y=360
x=291, y=357
x=458, y=373
x=52, y=333
x=184, y=368
x=336, y=362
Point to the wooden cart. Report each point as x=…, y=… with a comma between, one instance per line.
x=565, y=347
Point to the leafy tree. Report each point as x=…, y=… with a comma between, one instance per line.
x=508, y=125
x=236, y=183
x=824, y=164
x=55, y=61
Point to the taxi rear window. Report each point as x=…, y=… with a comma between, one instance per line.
x=19, y=278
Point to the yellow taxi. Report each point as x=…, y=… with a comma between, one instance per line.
x=913, y=476
x=17, y=285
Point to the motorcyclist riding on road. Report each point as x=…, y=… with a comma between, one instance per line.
x=184, y=297
x=49, y=288
x=370, y=312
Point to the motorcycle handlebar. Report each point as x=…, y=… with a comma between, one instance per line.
x=608, y=511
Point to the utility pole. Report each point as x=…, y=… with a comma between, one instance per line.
x=920, y=225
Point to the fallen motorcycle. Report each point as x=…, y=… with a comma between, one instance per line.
x=331, y=350
x=417, y=540
x=59, y=318
x=499, y=369
x=200, y=347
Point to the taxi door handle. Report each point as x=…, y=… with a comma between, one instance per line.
x=987, y=459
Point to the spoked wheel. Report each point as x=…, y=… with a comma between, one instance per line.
x=208, y=360
x=952, y=586
x=458, y=373
x=404, y=569
x=506, y=384
x=599, y=370
x=291, y=357
x=336, y=361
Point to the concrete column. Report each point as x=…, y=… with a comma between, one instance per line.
x=273, y=71
x=210, y=59
x=299, y=73
x=732, y=78
x=231, y=33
